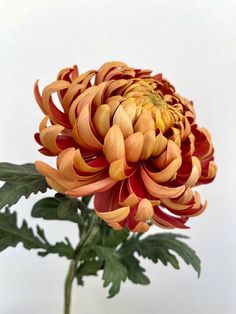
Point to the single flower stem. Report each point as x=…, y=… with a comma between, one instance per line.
x=68, y=286
x=74, y=263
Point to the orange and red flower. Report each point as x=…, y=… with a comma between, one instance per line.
x=129, y=138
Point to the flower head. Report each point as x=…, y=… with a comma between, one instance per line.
x=127, y=137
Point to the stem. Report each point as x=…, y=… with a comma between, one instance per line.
x=73, y=265
x=68, y=286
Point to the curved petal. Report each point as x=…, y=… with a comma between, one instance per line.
x=48, y=137
x=94, y=187
x=148, y=144
x=84, y=127
x=122, y=119
x=114, y=146
x=195, y=173
x=114, y=216
x=54, y=113
x=82, y=166
x=160, y=191
x=55, y=176
x=144, y=211
x=144, y=123
x=101, y=119
x=133, y=147
x=167, y=173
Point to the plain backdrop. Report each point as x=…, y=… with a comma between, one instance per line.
x=194, y=44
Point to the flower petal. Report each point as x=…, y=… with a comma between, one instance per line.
x=101, y=119
x=94, y=187
x=114, y=216
x=114, y=146
x=122, y=119
x=160, y=191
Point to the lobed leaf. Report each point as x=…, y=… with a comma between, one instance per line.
x=159, y=247
x=11, y=235
x=20, y=180
x=114, y=271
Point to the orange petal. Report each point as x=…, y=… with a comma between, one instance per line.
x=114, y=146
x=48, y=137
x=167, y=173
x=141, y=227
x=82, y=166
x=115, y=225
x=144, y=123
x=168, y=203
x=130, y=108
x=94, y=187
x=160, y=191
x=38, y=97
x=144, y=211
x=102, y=119
x=48, y=91
x=113, y=86
x=116, y=170
x=122, y=119
x=85, y=130
x=130, y=201
x=148, y=144
x=195, y=173
x=70, y=94
x=55, y=186
x=172, y=152
x=105, y=68
x=55, y=176
x=114, y=216
x=133, y=147
x=65, y=164
x=43, y=123
x=159, y=123
x=160, y=145
x=80, y=101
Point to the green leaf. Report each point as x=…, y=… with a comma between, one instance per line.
x=135, y=271
x=111, y=237
x=88, y=268
x=159, y=247
x=52, y=208
x=20, y=180
x=114, y=271
x=61, y=248
x=11, y=234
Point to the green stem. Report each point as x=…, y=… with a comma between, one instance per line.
x=68, y=286
x=73, y=265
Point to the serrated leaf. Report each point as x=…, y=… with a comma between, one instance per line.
x=52, y=208
x=114, y=271
x=88, y=268
x=11, y=234
x=20, y=180
x=159, y=247
x=61, y=248
x=135, y=271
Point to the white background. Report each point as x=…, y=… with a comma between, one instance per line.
x=194, y=44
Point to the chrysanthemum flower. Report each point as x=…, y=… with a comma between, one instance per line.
x=127, y=137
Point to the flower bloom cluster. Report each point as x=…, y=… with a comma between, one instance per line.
x=127, y=137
